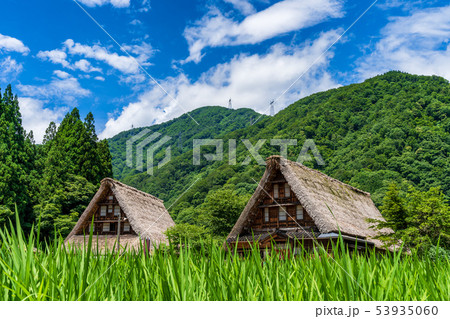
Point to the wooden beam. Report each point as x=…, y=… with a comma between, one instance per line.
x=279, y=204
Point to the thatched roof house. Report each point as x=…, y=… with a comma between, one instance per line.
x=293, y=201
x=143, y=218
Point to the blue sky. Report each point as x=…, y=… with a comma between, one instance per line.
x=203, y=53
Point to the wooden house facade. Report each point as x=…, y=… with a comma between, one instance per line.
x=295, y=205
x=122, y=215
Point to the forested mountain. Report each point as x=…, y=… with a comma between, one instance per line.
x=52, y=182
x=393, y=127
x=213, y=122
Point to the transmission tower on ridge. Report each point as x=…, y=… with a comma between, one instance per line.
x=230, y=105
x=272, y=109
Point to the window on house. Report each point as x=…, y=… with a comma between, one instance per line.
x=110, y=197
x=266, y=214
x=275, y=191
x=106, y=227
x=112, y=227
x=299, y=212
x=103, y=211
x=281, y=214
x=116, y=210
x=287, y=190
x=110, y=208
x=126, y=227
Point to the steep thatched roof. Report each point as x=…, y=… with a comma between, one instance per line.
x=146, y=214
x=108, y=242
x=334, y=206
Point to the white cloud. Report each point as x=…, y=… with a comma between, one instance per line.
x=145, y=6
x=61, y=74
x=250, y=80
x=11, y=44
x=142, y=52
x=99, y=78
x=63, y=87
x=9, y=69
x=36, y=117
x=122, y=63
x=85, y=66
x=136, y=81
x=114, y=3
x=243, y=6
x=215, y=29
x=405, y=5
x=136, y=22
x=54, y=56
x=418, y=43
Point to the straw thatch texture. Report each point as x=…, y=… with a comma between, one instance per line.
x=107, y=242
x=333, y=205
x=146, y=214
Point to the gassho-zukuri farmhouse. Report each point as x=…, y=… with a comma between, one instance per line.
x=140, y=218
x=295, y=204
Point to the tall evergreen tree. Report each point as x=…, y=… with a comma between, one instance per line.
x=89, y=124
x=106, y=169
x=74, y=164
x=50, y=133
x=16, y=160
x=89, y=161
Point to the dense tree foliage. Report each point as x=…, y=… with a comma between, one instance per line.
x=73, y=164
x=210, y=122
x=52, y=182
x=181, y=234
x=420, y=220
x=391, y=128
x=221, y=209
x=217, y=212
x=16, y=161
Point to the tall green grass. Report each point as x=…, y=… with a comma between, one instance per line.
x=32, y=271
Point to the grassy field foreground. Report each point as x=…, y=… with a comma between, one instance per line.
x=51, y=272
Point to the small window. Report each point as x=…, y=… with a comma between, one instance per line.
x=110, y=197
x=103, y=211
x=106, y=227
x=275, y=191
x=126, y=227
x=299, y=212
x=281, y=214
x=112, y=227
x=287, y=190
x=110, y=208
x=116, y=210
x=266, y=215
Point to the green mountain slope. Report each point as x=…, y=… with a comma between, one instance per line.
x=393, y=127
x=214, y=122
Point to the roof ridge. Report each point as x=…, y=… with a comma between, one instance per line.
x=277, y=157
x=116, y=182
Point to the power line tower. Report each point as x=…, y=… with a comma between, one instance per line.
x=272, y=109
x=230, y=105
